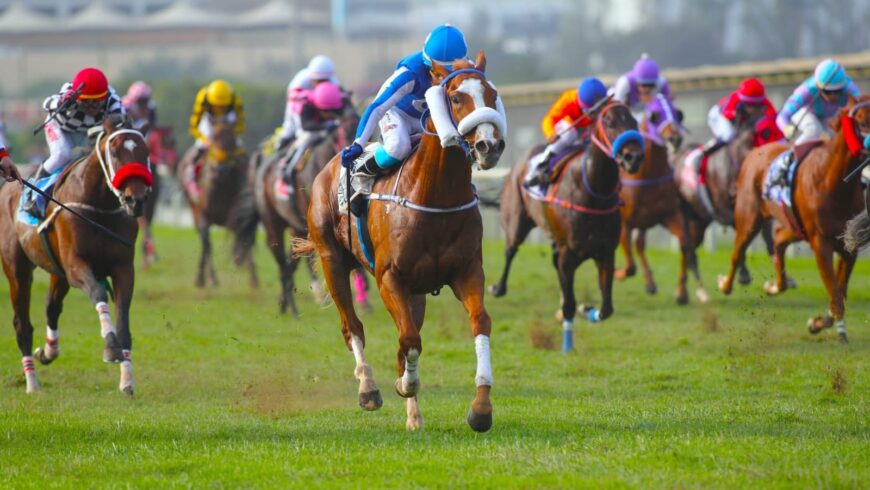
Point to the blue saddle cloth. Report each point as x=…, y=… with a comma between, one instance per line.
x=45, y=184
x=778, y=183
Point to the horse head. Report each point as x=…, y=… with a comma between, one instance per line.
x=616, y=134
x=123, y=156
x=223, y=145
x=854, y=121
x=475, y=109
x=664, y=123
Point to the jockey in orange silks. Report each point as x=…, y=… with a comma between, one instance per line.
x=565, y=125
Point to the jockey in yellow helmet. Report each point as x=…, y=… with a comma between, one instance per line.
x=216, y=102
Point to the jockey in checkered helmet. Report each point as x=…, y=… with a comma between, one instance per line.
x=80, y=105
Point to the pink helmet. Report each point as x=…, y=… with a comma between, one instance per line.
x=139, y=90
x=326, y=96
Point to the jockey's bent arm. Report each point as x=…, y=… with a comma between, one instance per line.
x=802, y=96
x=621, y=89
x=400, y=84
x=196, y=116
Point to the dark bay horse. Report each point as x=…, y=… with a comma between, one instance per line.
x=823, y=203
x=426, y=233
x=110, y=186
x=278, y=215
x=651, y=198
x=580, y=215
x=161, y=144
x=226, y=198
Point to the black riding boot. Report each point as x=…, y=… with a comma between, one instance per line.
x=365, y=169
x=31, y=206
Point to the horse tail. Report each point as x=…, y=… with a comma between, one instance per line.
x=243, y=220
x=302, y=247
x=857, y=234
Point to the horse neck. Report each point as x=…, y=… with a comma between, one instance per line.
x=438, y=177
x=655, y=161
x=602, y=172
x=94, y=188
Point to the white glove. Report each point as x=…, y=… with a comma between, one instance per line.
x=789, y=131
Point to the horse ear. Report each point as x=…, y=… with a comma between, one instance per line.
x=145, y=128
x=654, y=117
x=439, y=72
x=679, y=116
x=480, y=61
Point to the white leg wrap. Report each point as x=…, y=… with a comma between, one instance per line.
x=106, y=325
x=841, y=326
x=363, y=371
x=411, y=378
x=52, y=347
x=484, y=365
x=415, y=418
x=29, y=374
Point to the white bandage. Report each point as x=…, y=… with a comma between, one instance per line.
x=480, y=116
x=441, y=118
x=106, y=325
x=484, y=366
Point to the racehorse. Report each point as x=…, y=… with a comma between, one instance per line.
x=822, y=204
x=857, y=234
x=109, y=186
x=580, y=214
x=279, y=215
x=651, y=198
x=709, y=191
x=225, y=198
x=161, y=144
x=425, y=232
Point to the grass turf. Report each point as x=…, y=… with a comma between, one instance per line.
x=232, y=395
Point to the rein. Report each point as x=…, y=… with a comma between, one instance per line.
x=551, y=198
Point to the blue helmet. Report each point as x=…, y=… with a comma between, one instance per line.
x=444, y=45
x=830, y=75
x=590, y=91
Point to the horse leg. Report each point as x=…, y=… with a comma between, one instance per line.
x=625, y=241
x=566, y=263
x=397, y=299
x=414, y=419
x=605, y=267
x=469, y=289
x=845, y=264
x=122, y=282
x=745, y=230
x=202, y=229
x=676, y=225
x=516, y=232
x=780, y=242
x=20, y=275
x=316, y=286
x=640, y=247
x=696, y=238
x=824, y=252
x=360, y=284
x=275, y=240
x=80, y=276
x=57, y=290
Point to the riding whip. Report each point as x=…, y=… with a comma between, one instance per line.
x=61, y=108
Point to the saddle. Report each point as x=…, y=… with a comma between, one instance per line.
x=779, y=183
x=558, y=162
x=45, y=184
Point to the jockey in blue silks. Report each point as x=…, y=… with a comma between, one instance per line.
x=399, y=106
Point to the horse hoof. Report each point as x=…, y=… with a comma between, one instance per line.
x=702, y=296
x=43, y=358
x=724, y=287
x=844, y=339
x=559, y=315
x=819, y=323
x=479, y=422
x=744, y=279
x=412, y=390
x=371, y=401
x=770, y=288
x=127, y=390
x=790, y=283
x=682, y=299
x=651, y=289
x=497, y=291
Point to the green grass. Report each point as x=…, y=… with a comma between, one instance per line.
x=230, y=394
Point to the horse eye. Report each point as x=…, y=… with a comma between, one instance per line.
x=455, y=100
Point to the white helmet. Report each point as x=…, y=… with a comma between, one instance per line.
x=321, y=68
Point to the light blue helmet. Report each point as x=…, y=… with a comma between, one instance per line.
x=444, y=45
x=590, y=91
x=830, y=75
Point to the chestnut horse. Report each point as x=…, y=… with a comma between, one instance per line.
x=580, y=214
x=426, y=233
x=651, y=198
x=110, y=186
x=823, y=203
x=279, y=215
x=225, y=198
x=161, y=144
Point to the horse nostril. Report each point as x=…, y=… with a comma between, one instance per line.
x=501, y=146
x=482, y=146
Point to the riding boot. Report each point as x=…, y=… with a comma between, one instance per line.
x=541, y=174
x=288, y=167
x=711, y=147
x=32, y=205
x=365, y=170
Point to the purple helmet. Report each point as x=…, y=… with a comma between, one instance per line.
x=646, y=71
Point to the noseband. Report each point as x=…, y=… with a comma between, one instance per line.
x=131, y=169
x=613, y=148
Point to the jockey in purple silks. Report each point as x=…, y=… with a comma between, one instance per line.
x=639, y=86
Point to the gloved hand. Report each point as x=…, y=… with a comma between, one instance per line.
x=789, y=131
x=349, y=154
x=330, y=125
x=68, y=97
x=8, y=170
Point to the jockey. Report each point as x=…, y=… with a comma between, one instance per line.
x=218, y=103
x=320, y=69
x=8, y=170
x=140, y=108
x=815, y=100
x=565, y=123
x=748, y=103
x=317, y=113
x=78, y=107
x=640, y=85
x=398, y=107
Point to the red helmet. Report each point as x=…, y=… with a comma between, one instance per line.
x=751, y=91
x=96, y=85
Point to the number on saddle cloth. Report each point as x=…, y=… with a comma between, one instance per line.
x=780, y=174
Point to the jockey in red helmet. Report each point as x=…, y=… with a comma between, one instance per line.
x=748, y=103
x=79, y=106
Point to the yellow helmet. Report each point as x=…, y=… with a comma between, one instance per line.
x=219, y=93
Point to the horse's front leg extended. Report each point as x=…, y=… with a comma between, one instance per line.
x=824, y=253
x=605, y=286
x=470, y=289
x=80, y=276
x=122, y=282
x=566, y=264
x=397, y=299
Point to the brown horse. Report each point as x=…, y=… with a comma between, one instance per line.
x=279, y=215
x=823, y=203
x=109, y=186
x=225, y=198
x=651, y=198
x=425, y=231
x=580, y=215
x=161, y=144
